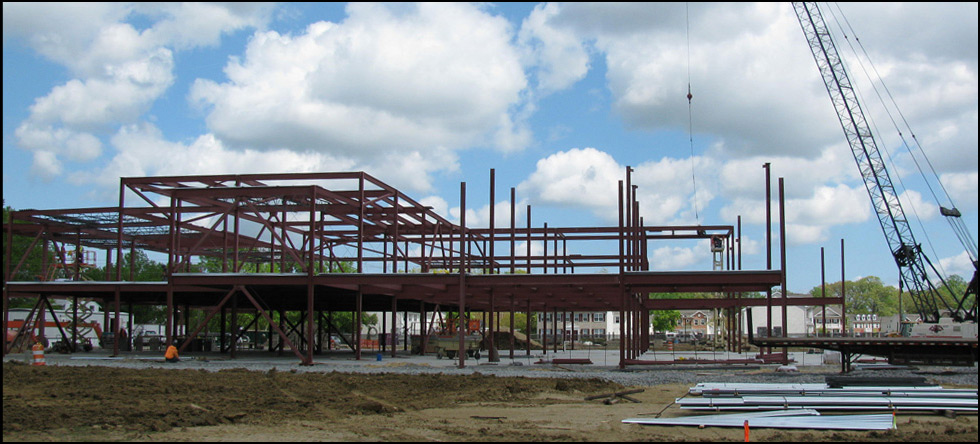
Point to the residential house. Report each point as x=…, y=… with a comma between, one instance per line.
x=815, y=325
x=578, y=326
x=695, y=324
x=864, y=325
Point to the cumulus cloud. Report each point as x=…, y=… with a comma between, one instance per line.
x=119, y=70
x=583, y=177
x=401, y=83
x=753, y=79
x=679, y=258
x=589, y=178
x=480, y=217
x=142, y=150
x=962, y=188
x=558, y=52
x=400, y=90
x=808, y=217
x=123, y=93
x=757, y=107
x=960, y=265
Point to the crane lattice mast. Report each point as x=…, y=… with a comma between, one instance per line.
x=906, y=251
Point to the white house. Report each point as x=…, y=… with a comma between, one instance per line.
x=384, y=325
x=579, y=326
x=815, y=322
x=796, y=319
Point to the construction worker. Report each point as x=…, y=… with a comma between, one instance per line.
x=171, y=355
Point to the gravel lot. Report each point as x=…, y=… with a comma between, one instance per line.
x=603, y=367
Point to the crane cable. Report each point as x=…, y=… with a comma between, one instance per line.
x=690, y=111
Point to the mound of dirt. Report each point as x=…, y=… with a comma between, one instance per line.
x=40, y=399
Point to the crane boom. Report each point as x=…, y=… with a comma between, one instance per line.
x=906, y=251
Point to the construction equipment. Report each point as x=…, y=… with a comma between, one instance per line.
x=24, y=327
x=908, y=254
x=448, y=346
x=445, y=342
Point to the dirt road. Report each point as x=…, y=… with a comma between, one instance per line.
x=56, y=403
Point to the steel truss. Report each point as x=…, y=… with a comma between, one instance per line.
x=332, y=242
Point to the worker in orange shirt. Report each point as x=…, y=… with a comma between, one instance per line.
x=171, y=354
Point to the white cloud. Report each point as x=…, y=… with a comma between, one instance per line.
x=141, y=150
x=959, y=265
x=589, y=178
x=90, y=38
x=802, y=234
x=190, y=25
x=741, y=177
x=389, y=83
x=558, y=53
x=962, y=188
x=808, y=218
x=64, y=33
x=46, y=165
x=675, y=191
x=125, y=92
x=746, y=65
x=438, y=205
x=679, y=258
x=120, y=70
x=480, y=217
x=752, y=75
x=751, y=246
x=915, y=207
x=75, y=145
x=578, y=177
x=829, y=205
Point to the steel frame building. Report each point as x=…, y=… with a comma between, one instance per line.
x=405, y=258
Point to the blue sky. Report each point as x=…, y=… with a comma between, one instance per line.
x=557, y=98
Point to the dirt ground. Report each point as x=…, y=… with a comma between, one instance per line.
x=61, y=403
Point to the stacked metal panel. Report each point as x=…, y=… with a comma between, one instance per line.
x=728, y=396
x=786, y=419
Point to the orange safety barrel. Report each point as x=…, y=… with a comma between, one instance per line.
x=38, y=350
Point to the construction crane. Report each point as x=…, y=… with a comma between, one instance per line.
x=907, y=252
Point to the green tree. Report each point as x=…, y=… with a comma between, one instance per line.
x=30, y=270
x=136, y=266
x=664, y=320
x=954, y=291
x=213, y=264
x=867, y=295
